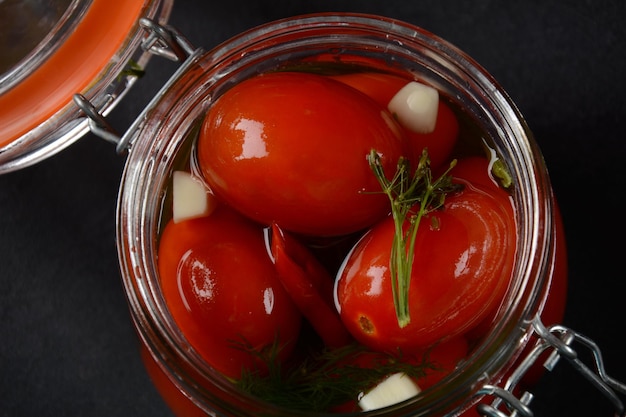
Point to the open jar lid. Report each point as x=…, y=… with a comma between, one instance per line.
x=53, y=50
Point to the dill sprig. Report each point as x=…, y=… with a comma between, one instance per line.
x=325, y=379
x=408, y=192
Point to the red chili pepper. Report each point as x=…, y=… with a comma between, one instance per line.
x=310, y=287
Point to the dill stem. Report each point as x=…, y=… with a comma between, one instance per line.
x=405, y=192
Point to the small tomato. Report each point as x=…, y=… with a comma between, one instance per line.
x=223, y=291
x=463, y=261
x=382, y=87
x=291, y=148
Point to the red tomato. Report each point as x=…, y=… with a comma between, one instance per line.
x=477, y=171
x=440, y=360
x=444, y=358
x=460, y=272
x=291, y=148
x=472, y=169
x=382, y=87
x=221, y=287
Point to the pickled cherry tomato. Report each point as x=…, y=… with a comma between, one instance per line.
x=291, y=148
x=463, y=262
x=224, y=293
x=382, y=87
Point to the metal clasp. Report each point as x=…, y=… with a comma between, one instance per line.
x=560, y=339
x=163, y=41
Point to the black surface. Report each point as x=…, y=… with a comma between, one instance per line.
x=67, y=347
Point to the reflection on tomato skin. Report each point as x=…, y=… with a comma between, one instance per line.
x=224, y=292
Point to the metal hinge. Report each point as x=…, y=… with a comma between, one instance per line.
x=163, y=41
x=560, y=340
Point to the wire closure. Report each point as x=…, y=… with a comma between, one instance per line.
x=97, y=123
x=560, y=339
x=518, y=406
x=163, y=41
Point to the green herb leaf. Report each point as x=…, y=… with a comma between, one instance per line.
x=407, y=193
x=133, y=70
x=327, y=378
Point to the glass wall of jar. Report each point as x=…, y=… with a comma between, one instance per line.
x=164, y=143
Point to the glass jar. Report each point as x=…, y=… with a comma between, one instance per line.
x=90, y=47
x=496, y=370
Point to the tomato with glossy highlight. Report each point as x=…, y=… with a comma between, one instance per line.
x=223, y=291
x=382, y=88
x=291, y=148
x=463, y=263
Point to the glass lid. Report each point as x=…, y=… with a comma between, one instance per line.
x=53, y=49
x=26, y=25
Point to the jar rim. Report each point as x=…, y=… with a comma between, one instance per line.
x=153, y=151
x=85, y=53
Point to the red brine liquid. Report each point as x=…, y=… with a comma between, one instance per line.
x=250, y=171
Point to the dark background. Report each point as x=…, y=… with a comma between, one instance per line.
x=67, y=347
